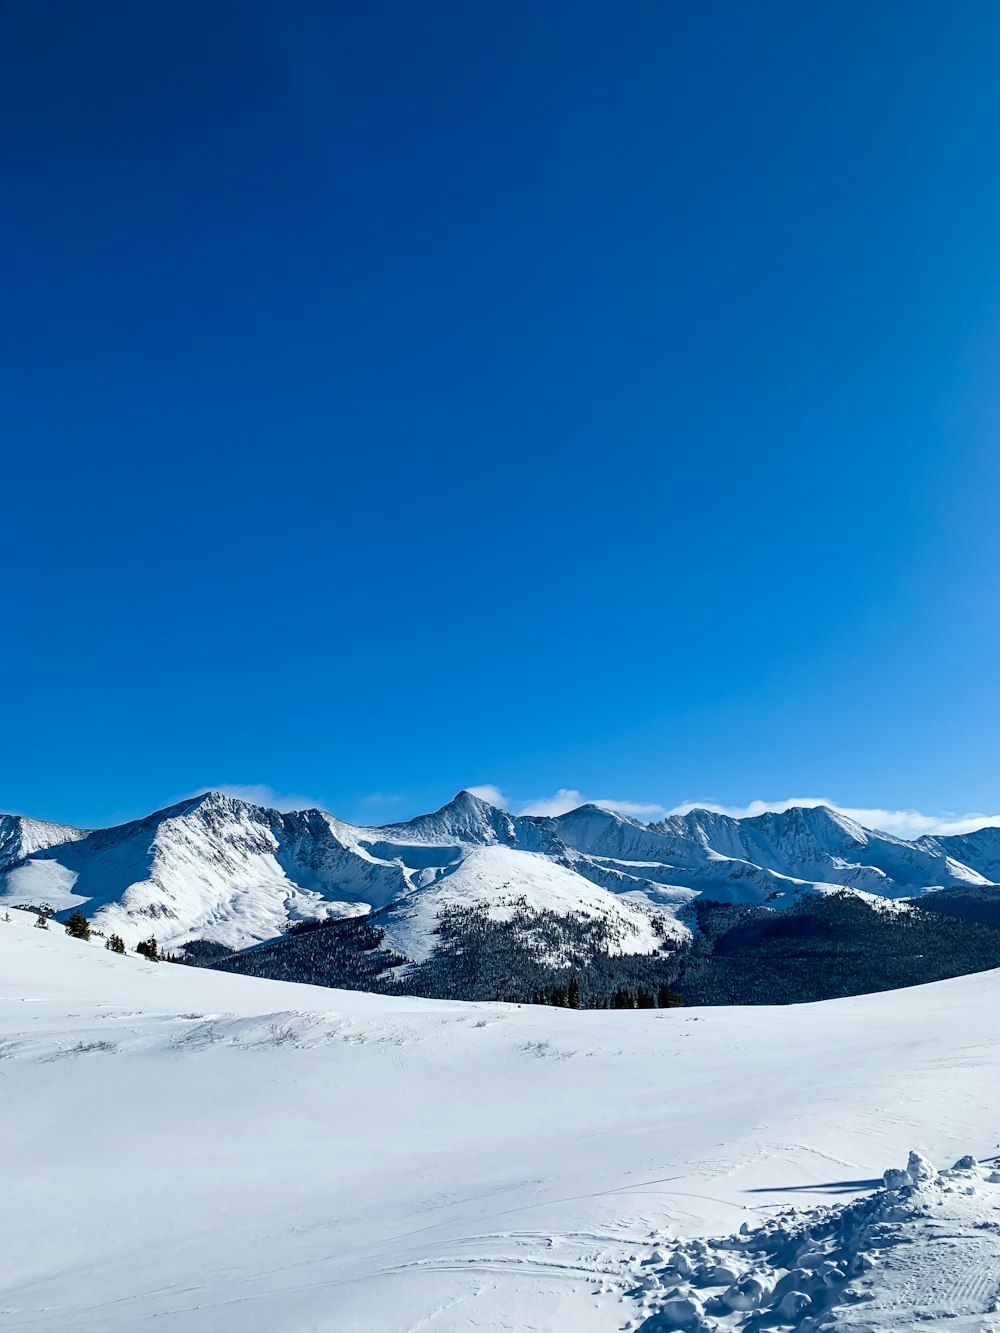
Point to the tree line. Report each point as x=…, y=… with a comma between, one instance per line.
x=572, y=996
x=827, y=945
x=79, y=928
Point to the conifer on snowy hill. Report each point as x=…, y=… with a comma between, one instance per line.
x=78, y=926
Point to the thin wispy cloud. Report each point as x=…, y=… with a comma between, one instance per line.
x=568, y=798
x=259, y=793
x=565, y=799
x=378, y=799
x=488, y=792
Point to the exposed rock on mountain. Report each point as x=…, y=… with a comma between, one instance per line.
x=220, y=869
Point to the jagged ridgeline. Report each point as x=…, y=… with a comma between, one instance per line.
x=477, y=902
x=824, y=947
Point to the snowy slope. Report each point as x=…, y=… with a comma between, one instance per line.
x=502, y=879
x=221, y=869
x=194, y=1152
x=21, y=837
x=211, y=867
x=979, y=850
x=705, y=850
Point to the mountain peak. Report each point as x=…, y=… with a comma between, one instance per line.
x=21, y=836
x=468, y=800
x=823, y=816
x=465, y=818
x=605, y=813
x=203, y=800
x=213, y=797
x=218, y=867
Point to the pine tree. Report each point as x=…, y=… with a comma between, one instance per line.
x=573, y=994
x=148, y=949
x=644, y=999
x=78, y=926
x=667, y=998
x=43, y=922
x=116, y=944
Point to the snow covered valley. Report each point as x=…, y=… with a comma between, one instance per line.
x=198, y=1152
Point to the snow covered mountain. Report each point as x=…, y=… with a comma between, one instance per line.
x=220, y=869
x=20, y=837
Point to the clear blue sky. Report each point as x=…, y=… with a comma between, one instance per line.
x=397, y=397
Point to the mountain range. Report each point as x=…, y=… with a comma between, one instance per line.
x=215, y=868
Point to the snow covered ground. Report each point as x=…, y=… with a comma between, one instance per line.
x=195, y=1152
x=922, y=1251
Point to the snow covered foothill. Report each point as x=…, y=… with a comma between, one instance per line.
x=195, y=1152
x=501, y=880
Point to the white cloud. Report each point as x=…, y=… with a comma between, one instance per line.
x=566, y=798
x=488, y=792
x=638, y=809
x=259, y=793
x=903, y=823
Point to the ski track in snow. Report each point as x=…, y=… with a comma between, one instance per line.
x=196, y=1152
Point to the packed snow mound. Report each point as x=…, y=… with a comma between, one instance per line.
x=925, y=1249
x=217, y=868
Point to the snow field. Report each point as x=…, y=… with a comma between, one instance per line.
x=195, y=1152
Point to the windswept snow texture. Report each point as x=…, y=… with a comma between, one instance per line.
x=187, y=1151
x=220, y=869
x=923, y=1251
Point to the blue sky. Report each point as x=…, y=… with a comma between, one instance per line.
x=586, y=397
